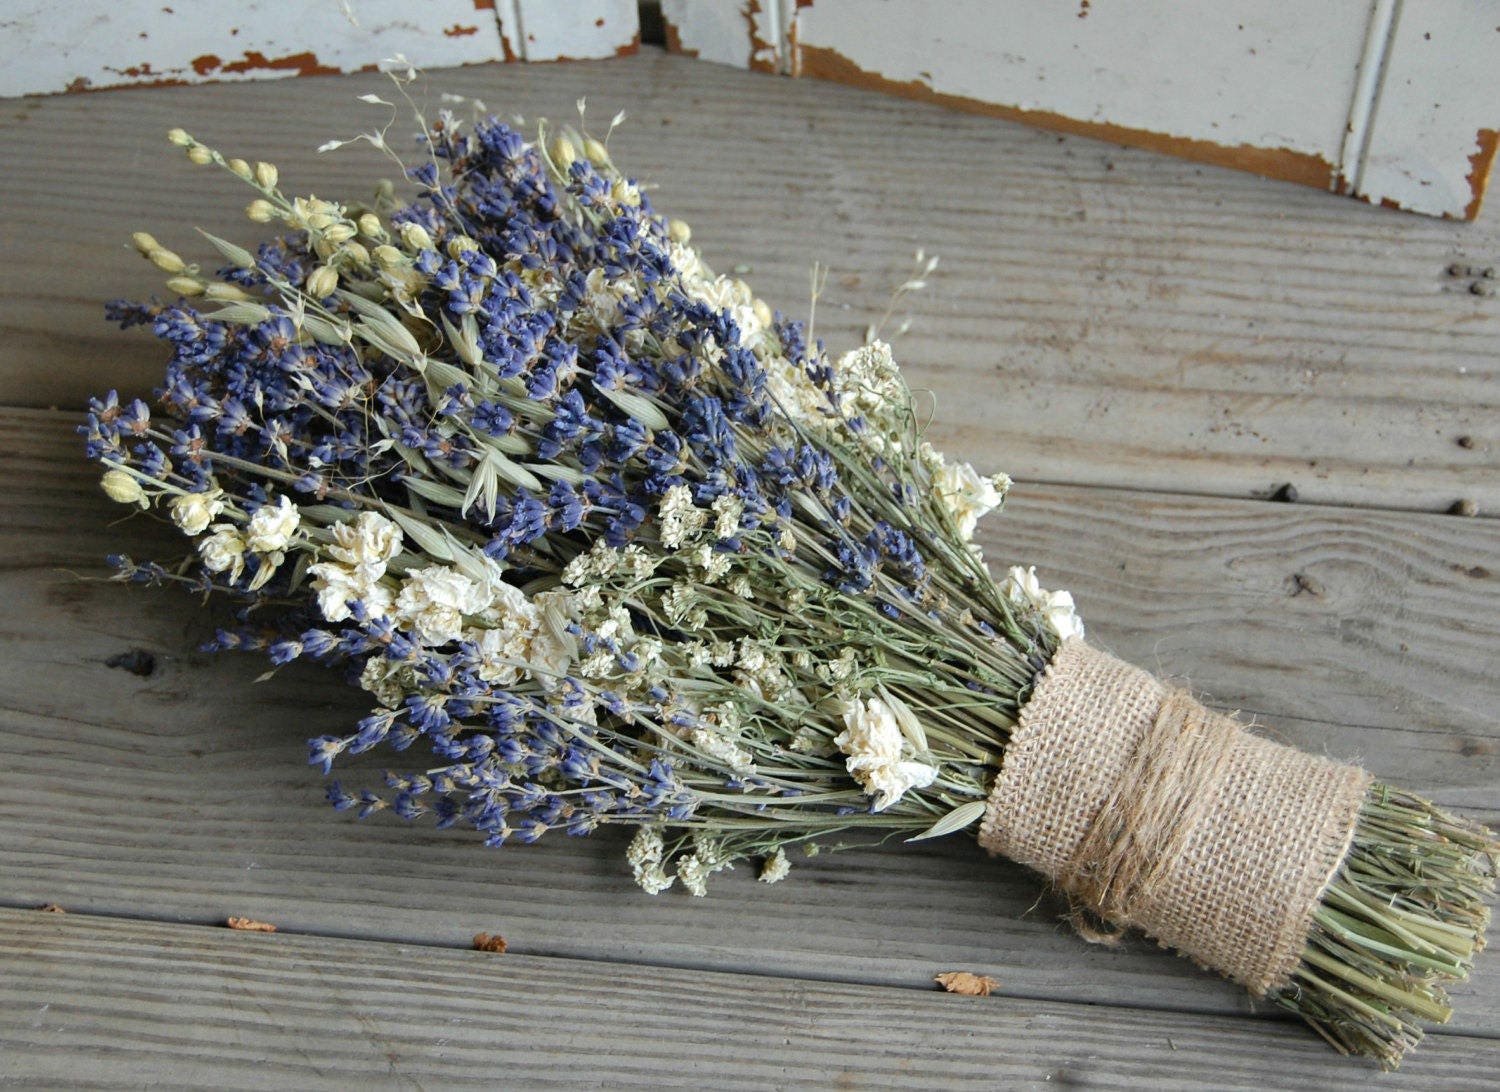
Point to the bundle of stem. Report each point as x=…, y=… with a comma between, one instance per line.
x=1404, y=915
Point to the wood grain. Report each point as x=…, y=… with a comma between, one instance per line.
x=1103, y=316
x=128, y=1003
x=202, y=815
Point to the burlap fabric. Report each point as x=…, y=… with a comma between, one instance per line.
x=1154, y=812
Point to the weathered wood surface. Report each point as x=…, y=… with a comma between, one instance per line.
x=1379, y=652
x=1130, y=319
x=127, y=1003
x=180, y=794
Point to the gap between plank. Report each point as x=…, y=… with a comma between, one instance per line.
x=1264, y=1011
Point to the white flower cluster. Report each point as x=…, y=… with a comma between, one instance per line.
x=878, y=754
x=603, y=561
x=967, y=494
x=681, y=519
x=695, y=868
x=602, y=297
x=869, y=381
x=645, y=857
x=360, y=550
x=1022, y=588
x=267, y=533
x=434, y=600
x=751, y=315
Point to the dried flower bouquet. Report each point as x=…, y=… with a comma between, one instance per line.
x=618, y=545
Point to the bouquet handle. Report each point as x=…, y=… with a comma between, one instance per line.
x=1150, y=810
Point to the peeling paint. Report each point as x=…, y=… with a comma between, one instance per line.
x=1285, y=163
x=1481, y=163
x=457, y=31
x=763, y=54
x=674, y=39
x=305, y=63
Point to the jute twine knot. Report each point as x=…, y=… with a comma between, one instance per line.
x=1151, y=811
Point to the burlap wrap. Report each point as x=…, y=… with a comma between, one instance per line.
x=1155, y=812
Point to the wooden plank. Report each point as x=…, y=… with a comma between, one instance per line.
x=201, y=815
x=89, y=1001
x=1126, y=319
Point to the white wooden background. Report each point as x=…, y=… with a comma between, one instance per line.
x=87, y=45
x=1391, y=101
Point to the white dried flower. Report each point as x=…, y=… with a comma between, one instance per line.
x=1056, y=607
x=727, y=509
x=501, y=650
x=681, y=520
x=379, y=678
x=193, y=512
x=775, y=868
x=724, y=749
x=732, y=295
x=338, y=586
x=367, y=543
x=877, y=753
x=602, y=296
x=433, y=601
x=713, y=564
x=868, y=379
x=223, y=551
x=968, y=495
x=653, y=880
x=271, y=527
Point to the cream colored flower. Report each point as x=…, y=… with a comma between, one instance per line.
x=681, y=520
x=868, y=379
x=876, y=753
x=367, y=543
x=723, y=749
x=433, y=601
x=644, y=855
x=775, y=868
x=272, y=526
x=1056, y=607
x=193, y=512
x=338, y=586
x=968, y=495
x=379, y=678
x=223, y=551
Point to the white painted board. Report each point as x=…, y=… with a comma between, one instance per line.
x=1392, y=101
x=92, y=44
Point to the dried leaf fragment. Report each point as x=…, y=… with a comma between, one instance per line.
x=250, y=925
x=51, y=908
x=972, y=985
x=484, y=942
